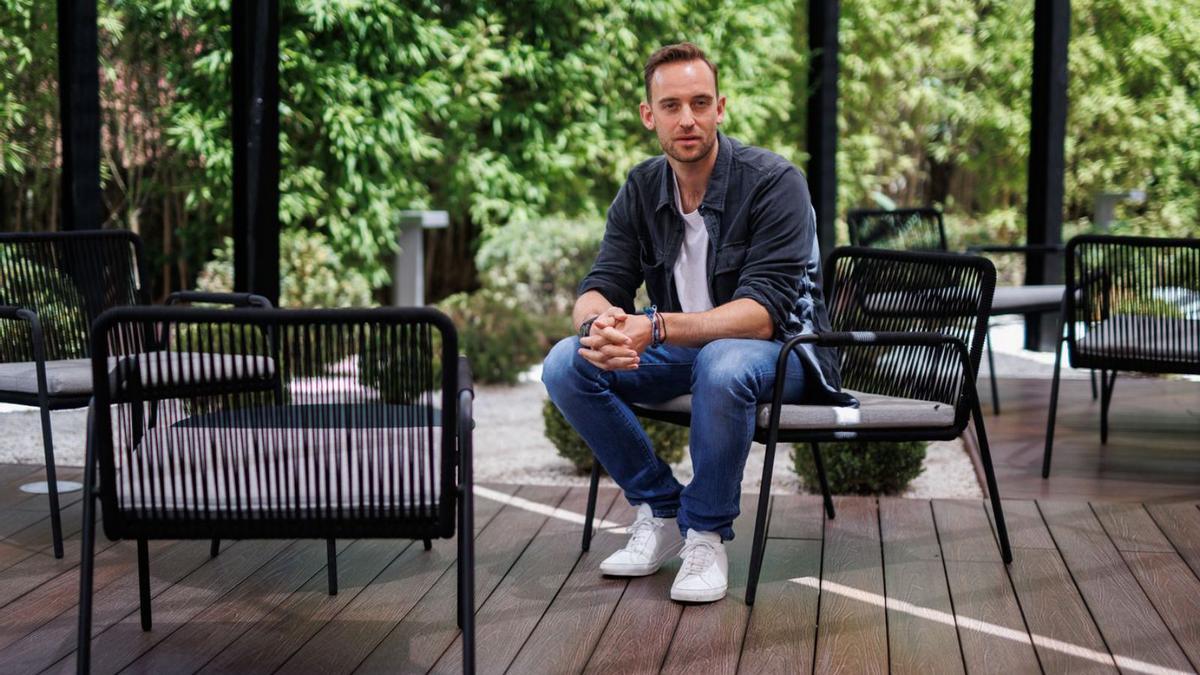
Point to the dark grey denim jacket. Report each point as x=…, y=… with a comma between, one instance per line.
x=762, y=246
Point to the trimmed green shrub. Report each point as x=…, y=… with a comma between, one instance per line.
x=495, y=332
x=861, y=468
x=669, y=440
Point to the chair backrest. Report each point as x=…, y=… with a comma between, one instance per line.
x=880, y=290
x=68, y=279
x=254, y=423
x=915, y=229
x=1134, y=303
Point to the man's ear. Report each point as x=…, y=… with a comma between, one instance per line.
x=647, y=115
x=720, y=109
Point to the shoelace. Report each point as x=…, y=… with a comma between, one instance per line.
x=697, y=555
x=640, y=533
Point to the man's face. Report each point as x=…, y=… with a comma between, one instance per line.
x=684, y=110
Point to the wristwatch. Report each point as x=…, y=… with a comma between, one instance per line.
x=585, y=328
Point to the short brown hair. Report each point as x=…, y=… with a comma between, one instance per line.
x=684, y=51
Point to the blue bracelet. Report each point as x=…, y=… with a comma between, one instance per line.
x=651, y=313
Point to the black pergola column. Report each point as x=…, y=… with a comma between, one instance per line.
x=255, y=27
x=822, y=131
x=1047, y=131
x=79, y=111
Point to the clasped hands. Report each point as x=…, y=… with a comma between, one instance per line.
x=617, y=340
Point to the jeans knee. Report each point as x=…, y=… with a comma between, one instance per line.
x=559, y=364
x=719, y=368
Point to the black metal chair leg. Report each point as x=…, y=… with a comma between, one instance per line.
x=83, y=648
x=1093, y=378
x=428, y=544
x=759, y=543
x=985, y=455
x=52, y=481
x=1106, y=384
x=1054, y=399
x=992, y=374
x=591, y=505
x=820, y=466
x=331, y=564
x=215, y=548
x=143, y=557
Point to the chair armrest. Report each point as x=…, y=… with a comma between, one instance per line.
x=235, y=299
x=466, y=379
x=17, y=313
x=1017, y=248
x=886, y=338
x=11, y=312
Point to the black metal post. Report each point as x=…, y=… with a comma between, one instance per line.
x=255, y=25
x=1047, y=131
x=822, y=131
x=79, y=109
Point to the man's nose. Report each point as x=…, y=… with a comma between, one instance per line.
x=686, y=119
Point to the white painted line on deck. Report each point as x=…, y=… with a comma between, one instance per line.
x=561, y=514
x=1123, y=662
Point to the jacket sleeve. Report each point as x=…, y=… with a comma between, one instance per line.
x=617, y=272
x=780, y=246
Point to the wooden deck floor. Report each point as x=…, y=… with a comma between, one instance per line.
x=906, y=586
x=1152, y=454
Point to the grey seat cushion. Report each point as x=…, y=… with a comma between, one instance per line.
x=1157, y=338
x=874, y=412
x=73, y=377
x=295, y=458
x=1013, y=299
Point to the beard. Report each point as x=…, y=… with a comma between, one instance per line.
x=701, y=151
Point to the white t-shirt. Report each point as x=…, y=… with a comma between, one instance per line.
x=691, y=267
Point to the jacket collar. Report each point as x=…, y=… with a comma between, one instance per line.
x=718, y=180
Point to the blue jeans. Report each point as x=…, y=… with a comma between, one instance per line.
x=727, y=380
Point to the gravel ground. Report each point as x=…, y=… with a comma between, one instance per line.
x=510, y=446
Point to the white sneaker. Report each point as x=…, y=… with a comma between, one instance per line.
x=704, y=574
x=652, y=541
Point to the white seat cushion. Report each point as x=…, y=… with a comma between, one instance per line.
x=874, y=412
x=1015, y=299
x=73, y=377
x=1157, y=338
x=294, y=457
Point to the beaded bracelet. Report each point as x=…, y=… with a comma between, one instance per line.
x=656, y=337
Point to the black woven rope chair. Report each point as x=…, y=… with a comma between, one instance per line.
x=278, y=424
x=923, y=229
x=1134, y=305
x=52, y=286
x=910, y=328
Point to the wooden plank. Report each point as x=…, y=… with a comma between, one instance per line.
x=1025, y=526
x=708, y=637
x=1181, y=524
x=512, y=612
x=782, y=634
x=111, y=603
x=116, y=646
x=1174, y=592
x=915, y=577
x=272, y=640
x=852, y=634
x=204, y=636
x=36, y=569
x=797, y=517
x=424, y=632
x=1126, y=618
x=1053, y=609
x=568, y=632
x=981, y=590
x=349, y=637
x=1130, y=527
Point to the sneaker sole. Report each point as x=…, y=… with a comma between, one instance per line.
x=698, y=596
x=639, y=570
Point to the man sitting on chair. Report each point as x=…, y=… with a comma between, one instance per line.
x=723, y=235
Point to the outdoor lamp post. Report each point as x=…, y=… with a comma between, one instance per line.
x=408, y=268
